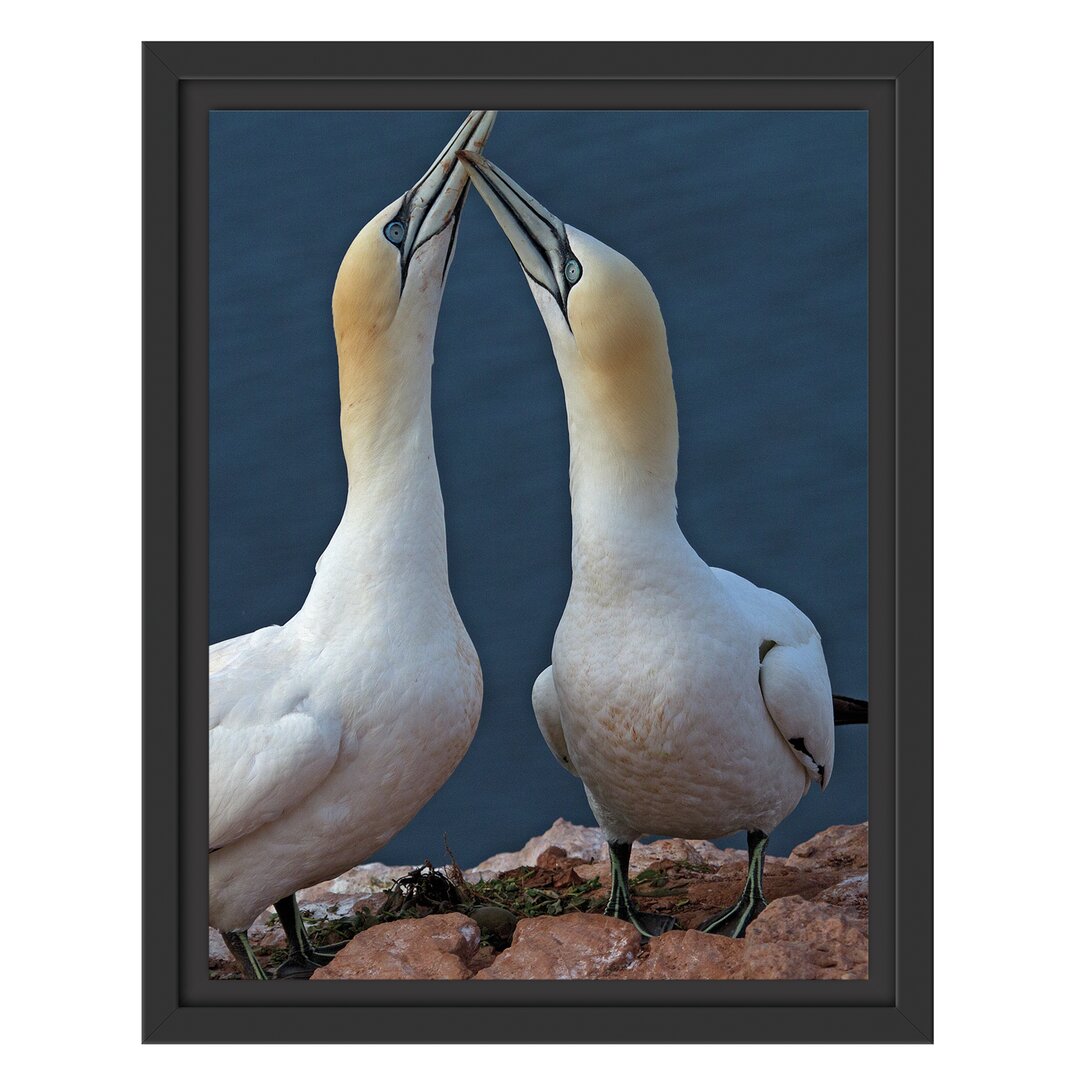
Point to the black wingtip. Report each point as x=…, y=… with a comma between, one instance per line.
x=848, y=710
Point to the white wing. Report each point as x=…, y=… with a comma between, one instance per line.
x=267, y=749
x=796, y=690
x=549, y=718
x=259, y=769
x=793, y=676
x=223, y=653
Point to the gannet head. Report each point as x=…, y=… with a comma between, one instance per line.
x=390, y=283
x=605, y=325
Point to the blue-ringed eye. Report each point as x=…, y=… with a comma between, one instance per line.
x=394, y=232
x=572, y=271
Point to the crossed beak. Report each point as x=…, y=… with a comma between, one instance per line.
x=434, y=202
x=538, y=237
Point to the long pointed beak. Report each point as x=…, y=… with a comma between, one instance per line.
x=434, y=202
x=537, y=235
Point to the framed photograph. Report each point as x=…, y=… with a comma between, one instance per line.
x=563, y=552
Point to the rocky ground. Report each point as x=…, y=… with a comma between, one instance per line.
x=534, y=914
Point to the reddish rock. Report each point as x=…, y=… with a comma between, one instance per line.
x=814, y=927
x=841, y=848
x=220, y=960
x=319, y=905
x=852, y=893
x=817, y=940
x=436, y=947
x=720, y=889
x=601, y=871
x=556, y=858
x=645, y=856
x=574, y=946
x=551, y=858
x=695, y=852
x=361, y=880
x=687, y=955
x=265, y=932
x=770, y=960
x=578, y=841
x=554, y=870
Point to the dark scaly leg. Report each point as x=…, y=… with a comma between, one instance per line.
x=303, y=957
x=240, y=947
x=734, y=921
x=620, y=906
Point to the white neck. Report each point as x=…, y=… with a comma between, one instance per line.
x=392, y=534
x=622, y=501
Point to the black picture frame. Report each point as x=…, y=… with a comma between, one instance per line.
x=181, y=82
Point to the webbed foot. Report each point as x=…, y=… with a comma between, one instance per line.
x=304, y=957
x=652, y=925
x=296, y=967
x=733, y=922
x=620, y=906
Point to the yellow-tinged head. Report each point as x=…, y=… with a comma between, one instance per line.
x=605, y=326
x=390, y=283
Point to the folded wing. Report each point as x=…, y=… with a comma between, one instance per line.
x=795, y=687
x=258, y=769
x=549, y=718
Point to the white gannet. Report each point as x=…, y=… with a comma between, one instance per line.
x=690, y=702
x=329, y=733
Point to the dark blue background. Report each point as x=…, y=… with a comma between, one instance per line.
x=751, y=227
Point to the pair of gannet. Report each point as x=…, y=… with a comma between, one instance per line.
x=690, y=702
x=329, y=733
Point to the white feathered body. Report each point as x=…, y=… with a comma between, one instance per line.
x=329, y=733
x=657, y=684
x=690, y=702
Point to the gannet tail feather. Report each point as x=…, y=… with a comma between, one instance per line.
x=849, y=710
